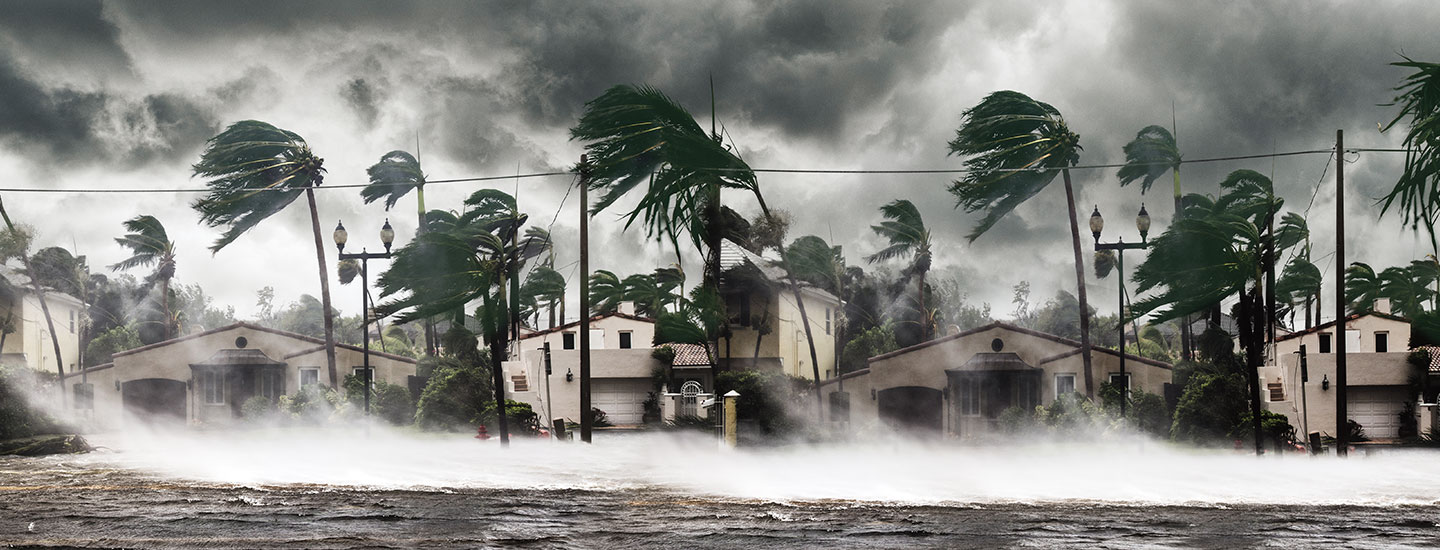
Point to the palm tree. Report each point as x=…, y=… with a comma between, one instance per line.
x=256, y=170
x=544, y=285
x=17, y=243
x=1147, y=157
x=395, y=175
x=1418, y=189
x=822, y=265
x=1016, y=147
x=1216, y=249
x=607, y=290
x=1407, y=289
x=908, y=236
x=150, y=245
x=638, y=135
x=1300, y=283
x=1362, y=287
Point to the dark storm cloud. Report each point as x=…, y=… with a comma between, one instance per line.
x=363, y=98
x=65, y=31
x=71, y=126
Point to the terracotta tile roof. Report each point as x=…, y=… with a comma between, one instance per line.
x=689, y=355
x=1434, y=357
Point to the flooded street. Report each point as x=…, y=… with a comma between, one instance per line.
x=308, y=490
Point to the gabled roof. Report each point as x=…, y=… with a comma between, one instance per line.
x=593, y=318
x=1021, y=330
x=258, y=328
x=1348, y=318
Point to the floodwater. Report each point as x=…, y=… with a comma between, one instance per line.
x=312, y=489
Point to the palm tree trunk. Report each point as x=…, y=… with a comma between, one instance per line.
x=1080, y=288
x=924, y=315
x=1187, y=340
x=165, y=301
x=324, y=290
x=809, y=338
x=44, y=308
x=4, y=332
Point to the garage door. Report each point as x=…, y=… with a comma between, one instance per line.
x=622, y=400
x=1377, y=410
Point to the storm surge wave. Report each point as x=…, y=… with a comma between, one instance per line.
x=899, y=471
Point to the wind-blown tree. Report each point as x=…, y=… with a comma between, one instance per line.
x=1299, y=283
x=16, y=243
x=1362, y=287
x=1016, y=146
x=1218, y=248
x=637, y=135
x=1417, y=192
x=255, y=170
x=1407, y=288
x=460, y=259
x=816, y=262
x=544, y=285
x=607, y=290
x=906, y=232
x=1148, y=157
x=394, y=176
x=150, y=245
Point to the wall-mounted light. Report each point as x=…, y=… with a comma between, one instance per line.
x=1325, y=382
x=872, y=394
x=569, y=375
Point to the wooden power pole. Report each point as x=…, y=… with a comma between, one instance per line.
x=587, y=419
x=1342, y=439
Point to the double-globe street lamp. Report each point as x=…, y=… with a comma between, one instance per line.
x=387, y=236
x=1097, y=224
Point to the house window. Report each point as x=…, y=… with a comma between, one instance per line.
x=309, y=376
x=567, y=340
x=361, y=372
x=827, y=320
x=72, y=321
x=272, y=384
x=1064, y=384
x=1122, y=380
x=625, y=339
x=1325, y=342
x=1382, y=342
x=213, y=385
x=738, y=305
x=969, y=398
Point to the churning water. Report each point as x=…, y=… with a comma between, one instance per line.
x=314, y=489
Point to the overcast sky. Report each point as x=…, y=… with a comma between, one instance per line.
x=124, y=95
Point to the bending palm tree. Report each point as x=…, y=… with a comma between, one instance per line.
x=1016, y=147
x=149, y=245
x=19, y=245
x=1147, y=157
x=908, y=236
x=1362, y=287
x=1418, y=189
x=398, y=173
x=256, y=170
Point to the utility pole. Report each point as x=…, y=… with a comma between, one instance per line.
x=1342, y=439
x=587, y=420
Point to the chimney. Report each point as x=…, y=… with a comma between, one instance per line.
x=627, y=308
x=1382, y=305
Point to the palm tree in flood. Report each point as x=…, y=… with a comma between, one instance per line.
x=255, y=170
x=1015, y=147
x=150, y=245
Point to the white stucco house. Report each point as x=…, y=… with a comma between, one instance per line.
x=622, y=370
x=749, y=306
x=204, y=378
x=30, y=344
x=1380, y=381
x=958, y=385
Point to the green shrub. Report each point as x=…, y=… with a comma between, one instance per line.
x=257, y=408
x=766, y=398
x=115, y=340
x=520, y=418
x=455, y=396
x=1209, y=407
x=1274, y=428
x=392, y=403
x=311, y=405
x=17, y=417
x=1016, y=420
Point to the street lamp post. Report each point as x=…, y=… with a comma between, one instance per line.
x=387, y=236
x=1097, y=224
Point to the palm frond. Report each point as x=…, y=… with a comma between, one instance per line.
x=397, y=173
x=1150, y=155
x=254, y=170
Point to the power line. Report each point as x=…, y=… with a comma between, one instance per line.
x=755, y=170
